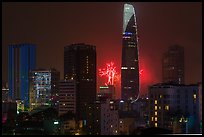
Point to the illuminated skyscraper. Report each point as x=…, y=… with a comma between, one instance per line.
x=130, y=59
x=22, y=59
x=43, y=88
x=80, y=65
x=173, y=65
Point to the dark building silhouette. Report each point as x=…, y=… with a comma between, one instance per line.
x=67, y=97
x=130, y=60
x=155, y=131
x=22, y=59
x=173, y=65
x=80, y=65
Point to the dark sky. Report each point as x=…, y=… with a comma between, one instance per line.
x=51, y=26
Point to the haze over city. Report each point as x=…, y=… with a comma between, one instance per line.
x=101, y=68
x=52, y=26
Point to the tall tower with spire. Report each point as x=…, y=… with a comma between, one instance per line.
x=130, y=60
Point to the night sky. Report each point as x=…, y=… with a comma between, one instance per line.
x=51, y=26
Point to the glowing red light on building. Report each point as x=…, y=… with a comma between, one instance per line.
x=109, y=72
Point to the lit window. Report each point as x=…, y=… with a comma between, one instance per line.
x=155, y=124
x=155, y=113
x=121, y=122
x=152, y=118
x=160, y=96
x=155, y=102
x=132, y=68
x=194, y=96
x=155, y=119
x=155, y=107
x=159, y=107
x=124, y=68
x=131, y=46
x=166, y=107
x=111, y=102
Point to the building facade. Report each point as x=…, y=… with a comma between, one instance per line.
x=93, y=121
x=80, y=65
x=107, y=92
x=43, y=87
x=130, y=60
x=173, y=65
x=102, y=118
x=22, y=59
x=5, y=92
x=126, y=125
x=67, y=96
x=174, y=107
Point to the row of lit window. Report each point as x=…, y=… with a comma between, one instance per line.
x=126, y=37
x=131, y=46
x=127, y=67
x=154, y=119
x=127, y=87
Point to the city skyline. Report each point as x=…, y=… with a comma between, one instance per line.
x=151, y=84
x=50, y=27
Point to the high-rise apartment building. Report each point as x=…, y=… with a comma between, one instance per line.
x=22, y=59
x=173, y=65
x=130, y=60
x=44, y=88
x=175, y=107
x=80, y=65
x=67, y=96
